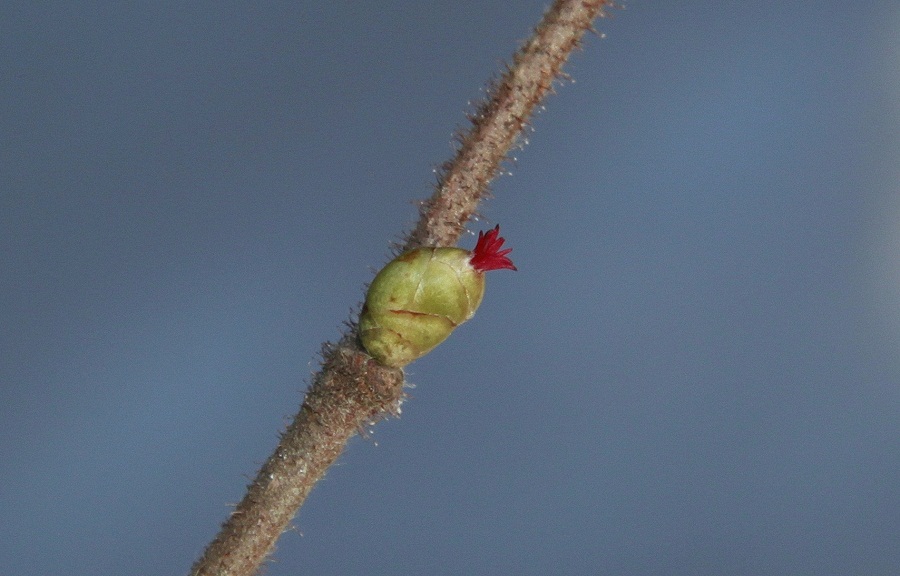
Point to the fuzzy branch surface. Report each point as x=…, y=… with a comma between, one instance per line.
x=352, y=391
x=499, y=121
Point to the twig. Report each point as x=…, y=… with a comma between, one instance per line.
x=499, y=121
x=351, y=390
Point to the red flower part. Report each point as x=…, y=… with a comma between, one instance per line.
x=487, y=254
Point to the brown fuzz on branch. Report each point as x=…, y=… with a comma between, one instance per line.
x=351, y=390
x=499, y=121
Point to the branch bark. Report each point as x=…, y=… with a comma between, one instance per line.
x=351, y=390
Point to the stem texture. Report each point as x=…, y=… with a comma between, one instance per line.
x=351, y=390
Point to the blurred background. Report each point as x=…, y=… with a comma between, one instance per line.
x=694, y=371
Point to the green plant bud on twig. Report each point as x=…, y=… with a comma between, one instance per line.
x=421, y=296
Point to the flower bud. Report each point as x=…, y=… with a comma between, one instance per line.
x=421, y=296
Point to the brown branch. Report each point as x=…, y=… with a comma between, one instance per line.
x=499, y=121
x=351, y=390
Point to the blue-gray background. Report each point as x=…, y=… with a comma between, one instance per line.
x=694, y=371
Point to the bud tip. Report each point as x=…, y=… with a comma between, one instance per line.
x=487, y=254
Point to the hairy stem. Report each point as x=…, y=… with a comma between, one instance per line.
x=499, y=121
x=351, y=390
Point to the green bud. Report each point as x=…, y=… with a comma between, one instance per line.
x=421, y=296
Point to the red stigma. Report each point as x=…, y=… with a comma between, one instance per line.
x=487, y=254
